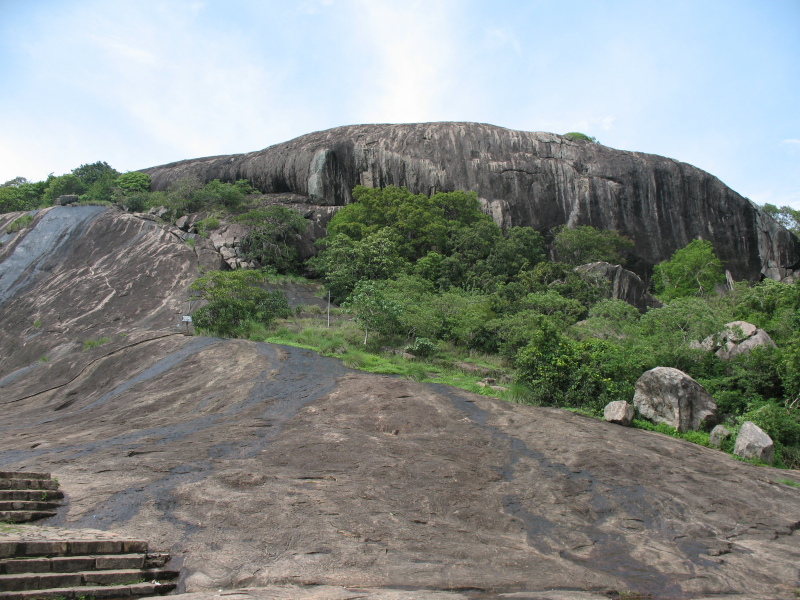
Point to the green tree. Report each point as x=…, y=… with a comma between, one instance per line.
x=786, y=216
x=90, y=174
x=578, y=136
x=63, y=185
x=235, y=300
x=346, y=261
x=133, y=182
x=585, y=244
x=372, y=309
x=692, y=271
x=273, y=237
x=20, y=194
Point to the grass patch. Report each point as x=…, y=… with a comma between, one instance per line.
x=191, y=242
x=37, y=323
x=89, y=344
x=696, y=437
x=20, y=223
x=789, y=482
x=44, y=359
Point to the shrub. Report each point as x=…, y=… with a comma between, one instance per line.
x=235, y=301
x=577, y=136
x=421, y=347
x=20, y=223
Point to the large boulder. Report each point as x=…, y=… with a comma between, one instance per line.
x=536, y=179
x=753, y=442
x=667, y=395
x=619, y=412
x=738, y=337
x=624, y=285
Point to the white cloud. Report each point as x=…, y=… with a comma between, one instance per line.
x=791, y=141
x=410, y=53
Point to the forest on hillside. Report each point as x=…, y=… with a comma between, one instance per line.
x=431, y=287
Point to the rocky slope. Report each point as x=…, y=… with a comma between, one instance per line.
x=523, y=178
x=259, y=465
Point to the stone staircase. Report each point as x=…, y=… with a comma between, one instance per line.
x=27, y=496
x=78, y=564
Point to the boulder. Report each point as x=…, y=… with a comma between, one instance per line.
x=752, y=442
x=625, y=285
x=719, y=434
x=619, y=411
x=67, y=199
x=736, y=331
x=738, y=337
x=759, y=339
x=667, y=395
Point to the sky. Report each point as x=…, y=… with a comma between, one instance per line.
x=714, y=83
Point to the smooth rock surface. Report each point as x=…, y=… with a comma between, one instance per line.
x=262, y=465
x=619, y=412
x=522, y=178
x=667, y=395
x=753, y=442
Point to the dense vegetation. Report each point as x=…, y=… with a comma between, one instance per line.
x=436, y=277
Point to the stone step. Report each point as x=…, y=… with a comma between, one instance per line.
x=75, y=564
x=23, y=516
x=20, y=582
x=23, y=475
x=34, y=505
x=137, y=590
x=70, y=547
x=31, y=495
x=28, y=484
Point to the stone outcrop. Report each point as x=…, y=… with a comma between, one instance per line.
x=624, y=285
x=667, y=395
x=619, y=412
x=718, y=435
x=67, y=199
x=522, y=178
x=738, y=337
x=257, y=463
x=753, y=442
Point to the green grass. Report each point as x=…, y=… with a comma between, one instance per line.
x=191, y=242
x=20, y=223
x=37, y=323
x=44, y=359
x=789, y=482
x=696, y=437
x=89, y=344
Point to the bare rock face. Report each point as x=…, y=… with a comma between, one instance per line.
x=753, y=442
x=667, y=395
x=619, y=412
x=535, y=179
x=262, y=465
x=625, y=285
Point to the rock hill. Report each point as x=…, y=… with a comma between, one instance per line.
x=522, y=178
x=259, y=465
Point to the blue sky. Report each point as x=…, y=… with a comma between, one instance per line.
x=141, y=83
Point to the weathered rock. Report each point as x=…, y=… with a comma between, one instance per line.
x=760, y=339
x=620, y=412
x=736, y=331
x=67, y=199
x=625, y=285
x=259, y=463
x=522, y=178
x=719, y=434
x=667, y=395
x=753, y=442
x=208, y=258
